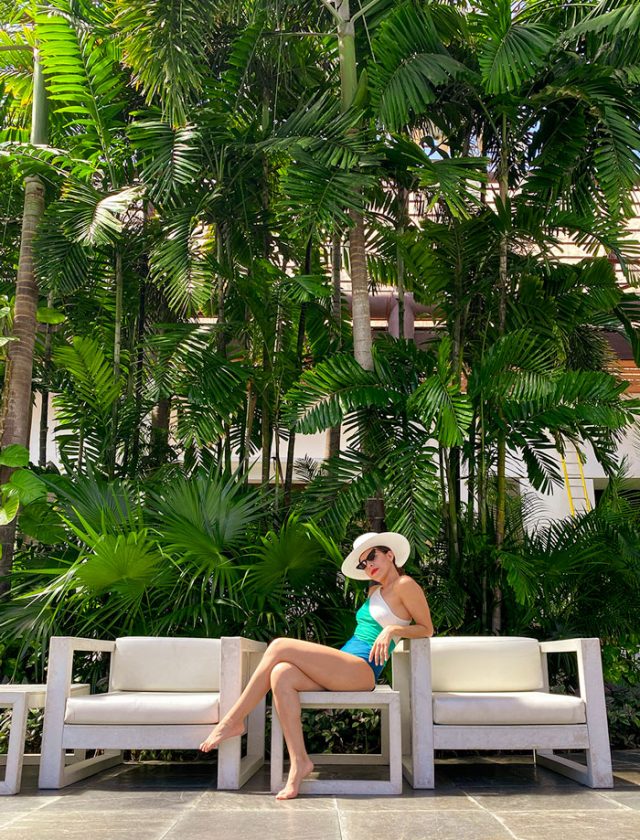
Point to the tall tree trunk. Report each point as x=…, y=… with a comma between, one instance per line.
x=159, y=443
x=139, y=372
x=333, y=435
x=252, y=400
x=403, y=206
x=291, y=444
x=501, y=465
x=360, y=309
x=44, y=393
x=266, y=440
x=15, y=412
x=117, y=351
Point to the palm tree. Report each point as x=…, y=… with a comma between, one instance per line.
x=15, y=413
x=527, y=88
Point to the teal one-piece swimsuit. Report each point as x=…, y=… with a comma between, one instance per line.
x=372, y=616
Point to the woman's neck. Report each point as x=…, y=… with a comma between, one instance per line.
x=391, y=576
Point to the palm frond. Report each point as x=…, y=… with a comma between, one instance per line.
x=166, y=46
x=92, y=218
x=171, y=157
x=411, y=63
x=439, y=403
x=324, y=395
x=512, y=50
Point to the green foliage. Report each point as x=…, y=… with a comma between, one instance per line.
x=623, y=702
x=199, y=164
x=411, y=63
x=339, y=731
x=14, y=456
x=513, y=50
x=166, y=47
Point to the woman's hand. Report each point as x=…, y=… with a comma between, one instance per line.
x=380, y=648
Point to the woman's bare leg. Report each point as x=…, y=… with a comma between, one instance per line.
x=286, y=682
x=331, y=669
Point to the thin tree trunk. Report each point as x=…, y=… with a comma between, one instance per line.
x=291, y=444
x=139, y=370
x=452, y=468
x=44, y=393
x=117, y=351
x=266, y=440
x=16, y=398
x=403, y=201
x=252, y=401
x=360, y=309
x=333, y=435
x=501, y=483
x=159, y=443
x=471, y=477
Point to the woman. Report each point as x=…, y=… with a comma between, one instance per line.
x=289, y=665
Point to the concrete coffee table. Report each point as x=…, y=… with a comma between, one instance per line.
x=20, y=698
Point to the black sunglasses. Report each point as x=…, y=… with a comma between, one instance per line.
x=362, y=565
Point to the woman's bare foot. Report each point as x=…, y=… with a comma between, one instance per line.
x=220, y=733
x=297, y=774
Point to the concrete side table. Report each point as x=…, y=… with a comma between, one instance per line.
x=20, y=698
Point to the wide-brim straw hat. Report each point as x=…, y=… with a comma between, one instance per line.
x=396, y=542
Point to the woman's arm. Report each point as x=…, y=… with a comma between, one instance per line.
x=415, y=602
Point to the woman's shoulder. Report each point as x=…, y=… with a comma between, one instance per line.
x=405, y=583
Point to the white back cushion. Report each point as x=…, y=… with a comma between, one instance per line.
x=153, y=663
x=485, y=663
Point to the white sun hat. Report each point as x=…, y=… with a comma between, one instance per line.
x=396, y=542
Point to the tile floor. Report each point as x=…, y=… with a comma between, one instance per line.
x=503, y=798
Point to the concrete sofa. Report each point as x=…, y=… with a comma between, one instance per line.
x=492, y=693
x=163, y=693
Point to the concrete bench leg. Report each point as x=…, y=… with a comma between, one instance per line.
x=13, y=770
x=391, y=737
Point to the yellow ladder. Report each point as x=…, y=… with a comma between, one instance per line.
x=567, y=483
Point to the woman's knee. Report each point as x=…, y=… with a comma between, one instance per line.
x=282, y=676
x=279, y=648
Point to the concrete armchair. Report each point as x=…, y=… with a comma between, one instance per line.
x=492, y=693
x=164, y=693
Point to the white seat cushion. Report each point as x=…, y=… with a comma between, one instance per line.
x=155, y=663
x=137, y=708
x=519, y=708
x=485, y=663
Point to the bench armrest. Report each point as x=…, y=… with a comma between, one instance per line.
x=60, y=673
x=248, y=645
x=587, y=651
x=60, y=667
x=561, y=646
x=238, y=660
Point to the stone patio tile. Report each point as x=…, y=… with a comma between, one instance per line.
x=426, y=825
x=152, y=776
x=262, y=801
x=107, y=802
x=416, y=800
x=18, y=832
x=543, y=800
x=24, y=802
x=490, y=775
x=626, y=778
x=578, y=825
x=627, y=798
x=627, y=757
x=265, y=825
x=74, y=825
x=11, y=816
